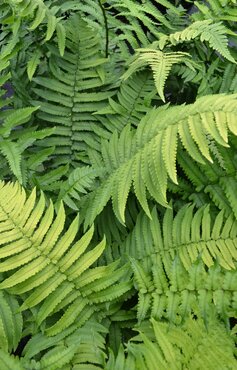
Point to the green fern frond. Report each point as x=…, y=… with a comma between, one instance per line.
x=147, y=158
x=160, y=63
x=189, y=234
x=79, y=182
x=199, y=348
x=77, y=85
x=217, y=180
x=39, y=259
x=173, y=291
x=8, y=362
x=11, y=322
x=213, y=33
x=39, y=12
x=132, y=102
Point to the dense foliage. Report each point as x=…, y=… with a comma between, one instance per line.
x=118, y=181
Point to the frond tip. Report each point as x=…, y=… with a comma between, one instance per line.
x=160, y=63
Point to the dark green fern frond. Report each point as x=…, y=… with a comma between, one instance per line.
x=76, y=86
x=146, y=159
x=79, y=182
x=51, y=266
x=86, y=347
x=132, y=102
x=37, y=13
x=217, y=180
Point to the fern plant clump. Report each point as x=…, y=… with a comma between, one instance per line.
x=118, y=179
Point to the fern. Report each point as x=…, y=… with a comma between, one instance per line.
x=69, y=95
x=38, y=12
x=189, y=234
x=43, y=264
x=160, y=63
x=160, y=129
x=181, y=292
x=132, y=216
x=213, y=33
x=162, y=346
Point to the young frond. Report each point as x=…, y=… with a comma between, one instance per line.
x=160, y=63
x=206, y=30
x=190, y=346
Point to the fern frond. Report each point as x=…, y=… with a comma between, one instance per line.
x=132, y=102
x=160, y=63
x=151, y=157
x=79, y=182
x=199, y=348
x=213, y=33
x=38, y=12
x=174, y=291
x=217, y=181
x=11, y=322
x=49, y=265
x=8, y=362
x=77, y=85
x=189, y=234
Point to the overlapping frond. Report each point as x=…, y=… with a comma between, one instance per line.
x=38, y=13
x=168, y=290
x=133, y=100
x=51, y=265
x=136, y=23
x=147, y=158
x=214, y=182
x=190, y=346
x=160, y=63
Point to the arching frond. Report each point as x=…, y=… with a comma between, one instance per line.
x=37, y=13
x=11, y=322
x=213, y=33
x=217, y=181
x=199, y=348
x=147, y=158
x=190, y=346
x=131, y=103
x=51, y=266
x=160, y=63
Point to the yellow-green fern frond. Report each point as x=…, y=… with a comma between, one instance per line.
x=145, y=159
x=160, y=63
x=38, y=257
x=11, y=322
x=213, y=33
x=189, y=234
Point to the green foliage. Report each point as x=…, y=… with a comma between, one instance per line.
x=118, y=211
